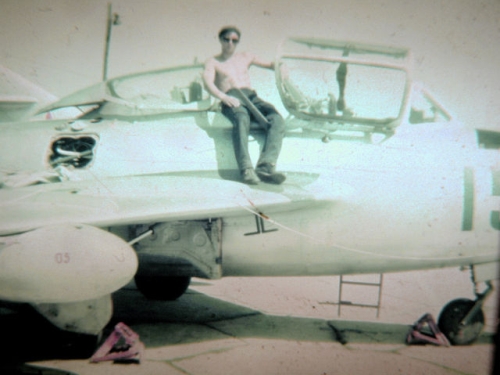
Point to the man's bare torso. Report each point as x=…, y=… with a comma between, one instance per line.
x=233, y=72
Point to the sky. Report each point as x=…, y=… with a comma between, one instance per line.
x=59, y=44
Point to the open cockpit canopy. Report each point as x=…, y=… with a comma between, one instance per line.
x=338, y=81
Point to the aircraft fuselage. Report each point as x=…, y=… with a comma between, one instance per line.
x=424, y=198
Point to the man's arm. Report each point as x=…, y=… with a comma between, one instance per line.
x=209, y=81
x=262, y=63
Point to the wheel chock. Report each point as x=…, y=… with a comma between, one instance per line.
x=419, y=334
x=122, y=345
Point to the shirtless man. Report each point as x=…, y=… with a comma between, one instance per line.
x=226, y=77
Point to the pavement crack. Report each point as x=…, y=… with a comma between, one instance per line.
x=339, y=335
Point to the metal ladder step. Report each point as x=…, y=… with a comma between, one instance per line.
x=377, y=285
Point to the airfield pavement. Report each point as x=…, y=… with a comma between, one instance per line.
x=284, y=326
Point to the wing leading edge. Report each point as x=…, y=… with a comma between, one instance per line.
x=147, y=199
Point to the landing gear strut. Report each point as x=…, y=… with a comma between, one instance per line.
x=462, y=320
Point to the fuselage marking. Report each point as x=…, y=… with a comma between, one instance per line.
x=259, y=222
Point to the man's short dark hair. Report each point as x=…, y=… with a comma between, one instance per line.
x=229, y=29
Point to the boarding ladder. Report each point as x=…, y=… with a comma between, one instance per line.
x=373, y=282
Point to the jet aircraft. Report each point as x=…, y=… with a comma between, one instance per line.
x=380, y=178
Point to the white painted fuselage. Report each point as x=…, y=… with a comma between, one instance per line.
x=423, y=198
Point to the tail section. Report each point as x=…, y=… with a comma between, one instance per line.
x=20, y=98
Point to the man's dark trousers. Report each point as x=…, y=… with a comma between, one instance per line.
x=241, y=118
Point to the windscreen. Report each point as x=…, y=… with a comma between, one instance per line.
x=171, y=89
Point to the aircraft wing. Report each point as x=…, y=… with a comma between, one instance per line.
x=148, y=199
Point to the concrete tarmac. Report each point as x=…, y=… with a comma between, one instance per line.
x=289, y=326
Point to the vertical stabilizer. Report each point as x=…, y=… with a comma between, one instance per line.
x=20, y=98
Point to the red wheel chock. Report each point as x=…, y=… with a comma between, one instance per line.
x=122, y=345
x=417, y=335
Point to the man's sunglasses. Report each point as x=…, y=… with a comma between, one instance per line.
x=227, y=40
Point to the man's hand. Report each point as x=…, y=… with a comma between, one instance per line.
x=230, y=101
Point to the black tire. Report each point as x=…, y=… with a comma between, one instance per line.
x=162, y=288
x=450, y=318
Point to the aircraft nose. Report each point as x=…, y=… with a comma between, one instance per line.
x=64, y=263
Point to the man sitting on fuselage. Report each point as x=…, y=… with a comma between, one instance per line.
x=226, y=77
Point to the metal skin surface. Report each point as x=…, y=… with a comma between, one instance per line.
x=64, y=263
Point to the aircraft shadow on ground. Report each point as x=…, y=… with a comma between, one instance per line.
x=193, y=318
x=197, y=317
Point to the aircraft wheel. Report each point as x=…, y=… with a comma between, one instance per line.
x=162, y=288
x=451, y=316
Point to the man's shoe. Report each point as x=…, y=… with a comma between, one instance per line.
x=267, y=173
x=249, y=177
